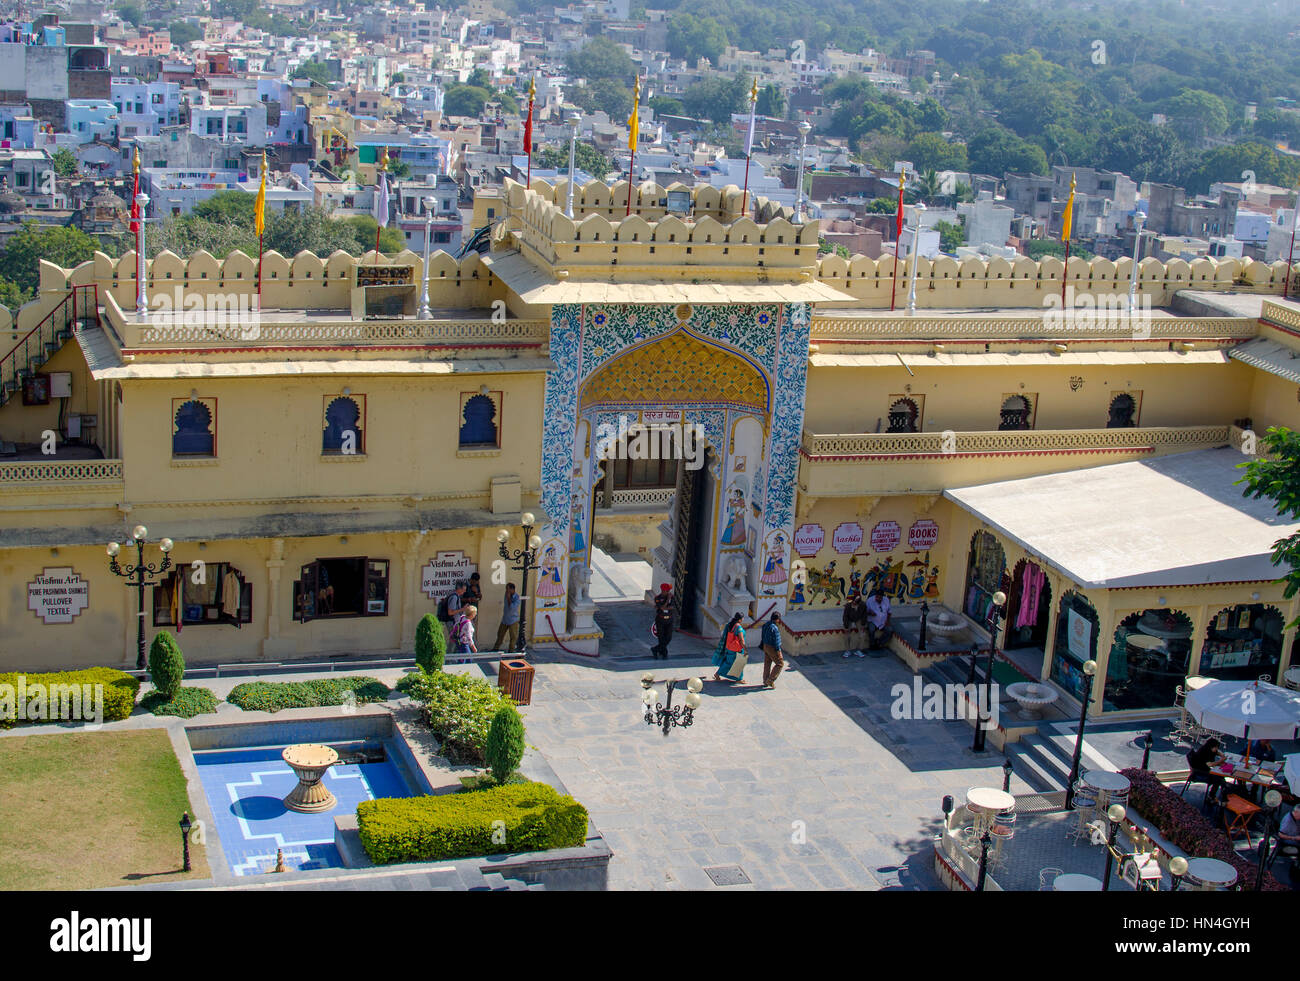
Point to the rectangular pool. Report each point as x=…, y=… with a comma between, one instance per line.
x=246, y=787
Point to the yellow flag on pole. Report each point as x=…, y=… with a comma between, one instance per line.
x=1067, y=216
x=259, y=209
x=633, y=121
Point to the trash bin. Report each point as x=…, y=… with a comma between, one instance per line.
x=515, y=678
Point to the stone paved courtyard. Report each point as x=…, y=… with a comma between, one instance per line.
x=818, y=755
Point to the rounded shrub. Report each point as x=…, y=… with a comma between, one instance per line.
x=505, y=743
x=430, y=644
x=166, y=665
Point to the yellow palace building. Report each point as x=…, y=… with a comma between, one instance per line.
x=328, y=462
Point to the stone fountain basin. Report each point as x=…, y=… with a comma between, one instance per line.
x=1031, y=696
x=945, y=623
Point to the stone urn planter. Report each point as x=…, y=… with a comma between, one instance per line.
x=309, y=762
x=1032, y=697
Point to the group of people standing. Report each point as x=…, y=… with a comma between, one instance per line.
x=458, y=611
x=729, y=658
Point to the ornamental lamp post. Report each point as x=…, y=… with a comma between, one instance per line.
x=1115, y=815
x=662, y=714
x=185, y=840
x=1271, y=800
x=524, y=558
x=1177, y=869
x=141, y=296
x=429, y=203
x=804, y=129
x=574, y=119
x=138, y=576
x=1089, y=671
x=995, y=613
x=1139, y=218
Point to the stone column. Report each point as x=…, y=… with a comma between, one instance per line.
x=274, y=644
x=410, y=588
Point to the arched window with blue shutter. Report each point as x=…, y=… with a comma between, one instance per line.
x=479, y=427
x=342, y=417
x=193, y=434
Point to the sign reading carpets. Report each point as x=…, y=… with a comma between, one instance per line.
x=809, y=539
x=58, y=595
x=847, y=538
x=923, y=534
x=440, y=576
x=886, y=536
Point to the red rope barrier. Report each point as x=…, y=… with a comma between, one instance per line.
x=567, y=650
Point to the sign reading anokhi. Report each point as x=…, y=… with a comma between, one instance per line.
x=923, y=534
x=886, y=536
x=847, y=538
x=809, y=539
x=58, y=595
x=440, y=576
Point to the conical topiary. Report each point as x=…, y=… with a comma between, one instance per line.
x=430, y=644
x=166, y=664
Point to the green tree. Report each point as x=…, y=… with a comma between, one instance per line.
x=1195, y=114
x=65, y=164
x=717, y=98
x=604, y=95
x=771, y=102
x=465, y=100
x=996, y=151
x=1231, y=163
x=950, y=235
x=430, y=644
x=882, y=206
x=666, y=105
x=586, y=157
x=505, y=743
x=397, y=78
x=927, y=187
x=399, y=169
x=130, y=13
x=602, y=58
x=1275, y=474
x=166, y=665
x=930, y=151
x=693, y=38
x=64, y=246
x=183, y=33
x=228, y=207
x=480, y=78
x=314, y=70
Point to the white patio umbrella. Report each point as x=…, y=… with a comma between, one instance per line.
x=1248, y=709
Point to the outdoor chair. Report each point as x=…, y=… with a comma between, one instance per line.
x=1046, y=877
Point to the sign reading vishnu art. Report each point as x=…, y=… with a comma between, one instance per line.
x=923, y=534
x=440, y=576
x=847, y=538
x=809, y=539
x=886, y=536
x=58, y=595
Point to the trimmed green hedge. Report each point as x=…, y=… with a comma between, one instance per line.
x=459, y=710
x=272, y=696
x=426, y=829
x=120, y=690
x=186, y=703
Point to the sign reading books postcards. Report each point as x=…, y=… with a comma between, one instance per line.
x=58, y=595
x=847, y=538
x=923, y=534
x=809, y=539
x=886, y=536
x=440, y=576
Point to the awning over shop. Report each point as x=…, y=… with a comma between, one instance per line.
x=1174, y=521
x=262, y=526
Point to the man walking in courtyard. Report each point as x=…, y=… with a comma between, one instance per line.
x=773, y=660
x=663, y=626
x=509, y=629
x=878, y=631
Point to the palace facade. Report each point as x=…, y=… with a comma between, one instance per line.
x=329, y=460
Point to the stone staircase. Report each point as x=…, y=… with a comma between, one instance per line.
x=41, y=343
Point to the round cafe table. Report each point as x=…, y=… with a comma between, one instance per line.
x=1211, y=873
x=1107, y=780
x=990, y=800
x=1291, y=678
x=1076, y=882
x=1196, y=681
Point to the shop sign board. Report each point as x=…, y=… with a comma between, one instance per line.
x=923, y=534
x=58, y=595
x=809, y=539
x=440, y=576
x=886, y=536
x=847, y=538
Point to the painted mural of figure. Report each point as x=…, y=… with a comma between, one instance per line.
x=734, y=533
x=579, y=543
x=550, y=583
x=932, y=583
x=773, y=564
x=796, y=595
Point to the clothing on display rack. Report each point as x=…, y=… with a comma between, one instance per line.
x=1031, y=589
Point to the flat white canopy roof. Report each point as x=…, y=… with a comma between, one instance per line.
x=1172, y=521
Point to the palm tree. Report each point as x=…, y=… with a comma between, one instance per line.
x=928, y=188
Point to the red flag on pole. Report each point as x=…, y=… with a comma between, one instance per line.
x=135, y=192
x=528, y=128
x=898, y=240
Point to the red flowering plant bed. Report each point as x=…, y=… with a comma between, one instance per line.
x=1183, y=825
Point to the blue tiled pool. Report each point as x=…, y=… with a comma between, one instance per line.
x=245, y=789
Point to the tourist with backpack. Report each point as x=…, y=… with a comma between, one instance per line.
x=450, y=604
x=462, y=631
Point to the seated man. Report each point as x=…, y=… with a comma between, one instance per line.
x=1289, y=833
x=878, y=629
x=855, y=625
x=1200, y=760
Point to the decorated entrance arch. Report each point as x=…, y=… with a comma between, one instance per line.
x=737, y=370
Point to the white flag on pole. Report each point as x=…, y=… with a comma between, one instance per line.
x=381, y=200
x=753, y=111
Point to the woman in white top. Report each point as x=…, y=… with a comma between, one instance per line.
x=462, y=630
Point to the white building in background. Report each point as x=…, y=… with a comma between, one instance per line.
x=987, y=222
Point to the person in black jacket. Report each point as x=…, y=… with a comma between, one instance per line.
x=663, y=621
x=1200, y=760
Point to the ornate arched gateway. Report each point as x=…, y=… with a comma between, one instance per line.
x=734, y=373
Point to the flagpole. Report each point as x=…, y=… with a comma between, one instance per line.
x=1064, y=271
x=1286, y=282
x=749, y=144
x=259, y=268
x=633, y=132
x=898, y=241
x=631, y=170
x=744, y=199
x=893, y=284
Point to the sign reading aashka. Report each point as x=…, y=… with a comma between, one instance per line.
x=809, y=539
x=923, y=534
x=58, y=595
x=847, y=538
x=886, y=536
x=440, y=576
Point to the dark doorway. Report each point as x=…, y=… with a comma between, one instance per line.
x=692, y=508
x=1029, y=607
